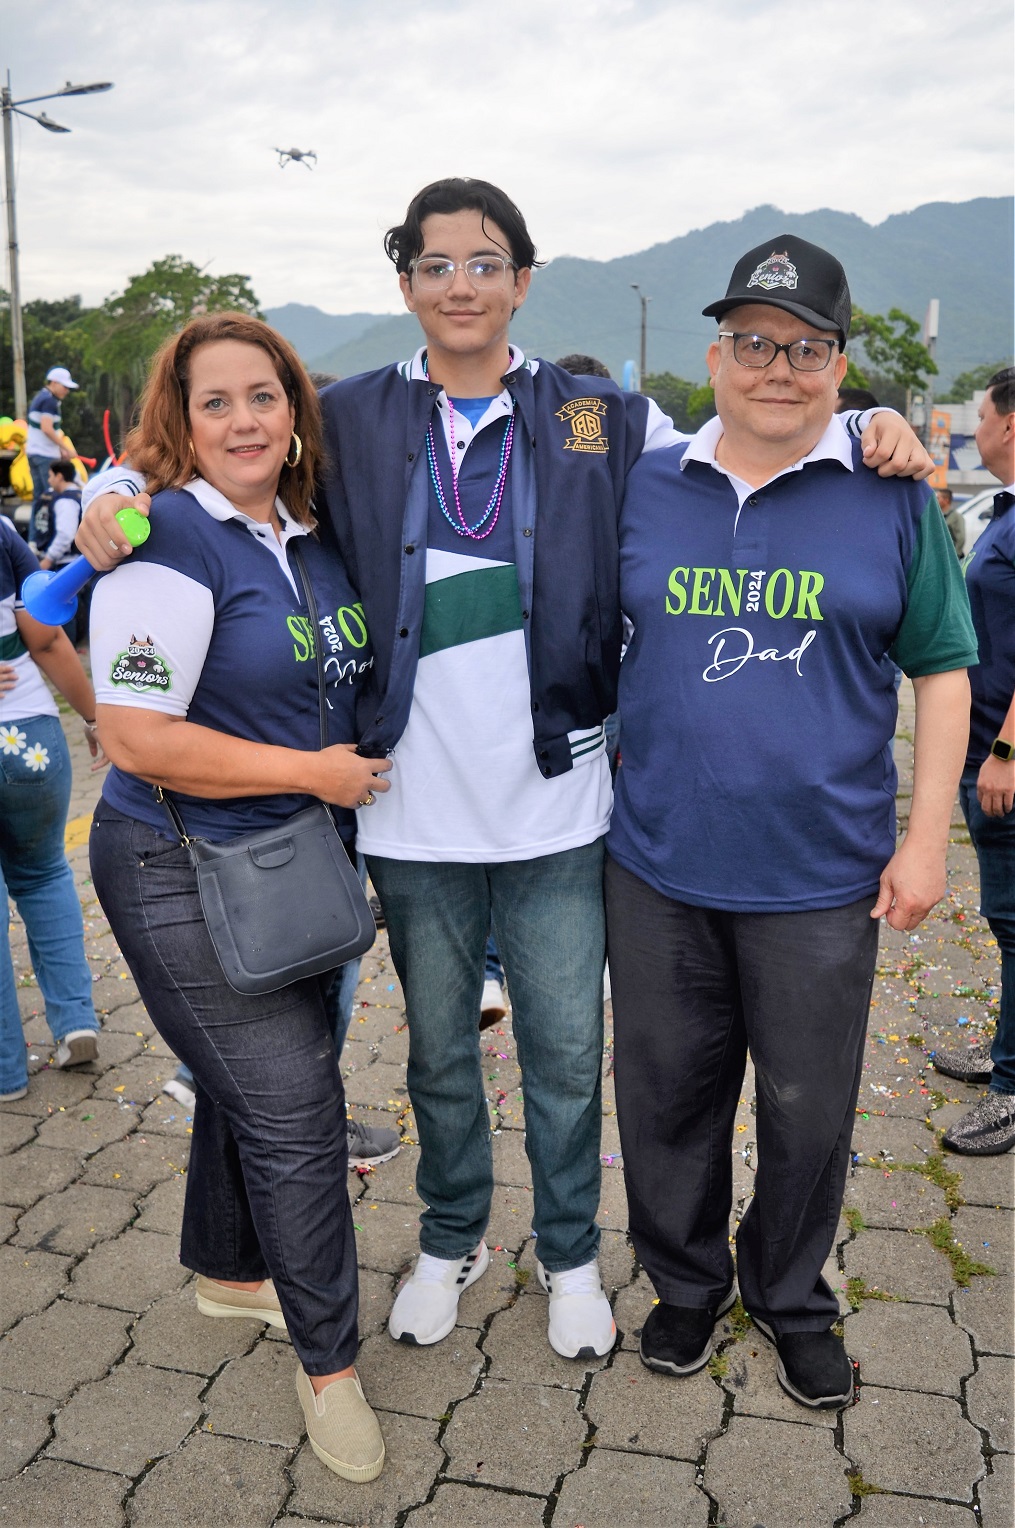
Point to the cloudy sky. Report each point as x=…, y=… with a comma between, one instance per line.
x=615, y=124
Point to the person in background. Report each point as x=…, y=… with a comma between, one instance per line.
x=43, y=445
x=752, y=848
x=953, y=519
x=207, y=687
x=35, y=787
x=855, y=398
x=987, y=790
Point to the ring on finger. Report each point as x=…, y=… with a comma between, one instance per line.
x=368, y=799
x=114, y=544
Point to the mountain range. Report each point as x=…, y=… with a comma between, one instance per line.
x=960, y=252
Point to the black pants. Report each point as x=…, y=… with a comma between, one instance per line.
x=693, y=989
x=266, y=1186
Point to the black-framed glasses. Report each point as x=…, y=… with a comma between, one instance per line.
x=756, y=351
x=487, y=272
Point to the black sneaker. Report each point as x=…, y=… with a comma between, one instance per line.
x=677, y=1339
x=813, y=1366
x=987, y=1130
x=972, y=1064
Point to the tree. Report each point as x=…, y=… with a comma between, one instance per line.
x=969, y=382
x=890, y=352
x=688, y=404
x=124, y=333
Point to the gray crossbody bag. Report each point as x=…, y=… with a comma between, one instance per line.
x=285, y=902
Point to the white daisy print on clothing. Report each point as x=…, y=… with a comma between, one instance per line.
x=11, y=740
x=36, y=757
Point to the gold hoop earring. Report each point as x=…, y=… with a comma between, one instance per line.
x=299, y=452
x=190, y=447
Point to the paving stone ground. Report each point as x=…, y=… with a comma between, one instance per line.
x=121, y=1405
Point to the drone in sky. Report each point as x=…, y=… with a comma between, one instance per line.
x=298, y=156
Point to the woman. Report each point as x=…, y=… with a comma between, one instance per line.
x=207, y=686
x=35, y=782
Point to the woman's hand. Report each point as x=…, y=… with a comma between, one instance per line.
x=95, y=748
x=100, y=536
x=346, y=779
x=8, y=677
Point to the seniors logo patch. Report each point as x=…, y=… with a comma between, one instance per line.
x=140, y=667
x=585, y=416
x=777, y=271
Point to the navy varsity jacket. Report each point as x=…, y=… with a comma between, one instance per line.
x=575, y=441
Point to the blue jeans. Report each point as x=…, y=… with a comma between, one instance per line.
x=994, y=842
x=34, y=871
x=548, y=921
x=39, y=467
x=266, y=1185
x=338, y=999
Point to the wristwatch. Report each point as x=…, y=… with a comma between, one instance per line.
x=1002, y=750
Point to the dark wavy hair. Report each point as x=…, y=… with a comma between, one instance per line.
x=1001, y=388
x=159, y=444
x=404, y=242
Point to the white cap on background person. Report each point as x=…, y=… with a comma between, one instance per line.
x=62, y=375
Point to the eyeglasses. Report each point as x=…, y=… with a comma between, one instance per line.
x=487, y=272
x=756, y=351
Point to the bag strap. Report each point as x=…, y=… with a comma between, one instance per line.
x=311, y=604
x=162, y=796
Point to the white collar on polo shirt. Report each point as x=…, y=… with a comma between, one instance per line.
x=834, y=446
x=218, y=506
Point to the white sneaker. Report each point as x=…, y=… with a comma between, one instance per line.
x=75, y=1049
x=493, y=1008
x=426, y=1306
x=581, y=1321
x=181, y=1092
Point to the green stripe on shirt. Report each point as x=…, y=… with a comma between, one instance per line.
x=11, y=646
x=467, y=607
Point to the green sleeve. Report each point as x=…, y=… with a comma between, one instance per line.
x=937, y=629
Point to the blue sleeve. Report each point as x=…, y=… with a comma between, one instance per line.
x=20, y=560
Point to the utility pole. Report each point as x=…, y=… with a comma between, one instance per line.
x=644, y=330
x=9, y=106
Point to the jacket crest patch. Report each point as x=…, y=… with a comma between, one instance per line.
x=777, y=271
x=585, y=416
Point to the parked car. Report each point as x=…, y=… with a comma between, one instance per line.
x=976, y=512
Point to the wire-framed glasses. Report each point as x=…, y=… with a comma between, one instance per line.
x=756, y=351
x=487, y=272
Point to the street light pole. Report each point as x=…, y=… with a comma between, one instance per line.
x=9, y=106
x=644, y=330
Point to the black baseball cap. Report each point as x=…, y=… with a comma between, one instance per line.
x=789, y=273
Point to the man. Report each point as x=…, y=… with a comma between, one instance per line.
x=953, y=519
x=987, y=790
x=752, y=848
x=475, y=496
x=58, y=518
x=44, y=444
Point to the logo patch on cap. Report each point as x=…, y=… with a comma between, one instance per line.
x=777, y=271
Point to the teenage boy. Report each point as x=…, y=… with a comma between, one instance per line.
x=44, y=444
x=752, y=851
x=475, y=495
x=58, y=517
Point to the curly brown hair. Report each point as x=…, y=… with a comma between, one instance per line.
x=159, y=444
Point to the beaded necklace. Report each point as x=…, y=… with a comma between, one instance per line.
x=461, y=525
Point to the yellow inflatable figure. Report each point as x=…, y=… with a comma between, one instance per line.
x=13, y=434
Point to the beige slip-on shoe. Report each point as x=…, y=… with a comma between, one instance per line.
x=343, y=1431
x=257, y=1304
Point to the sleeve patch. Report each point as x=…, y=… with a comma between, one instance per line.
x=140, y=668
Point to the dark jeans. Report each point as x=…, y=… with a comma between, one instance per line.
x=994, y=842
x=266, y=1186
x=693, y=989
x=548, y=920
